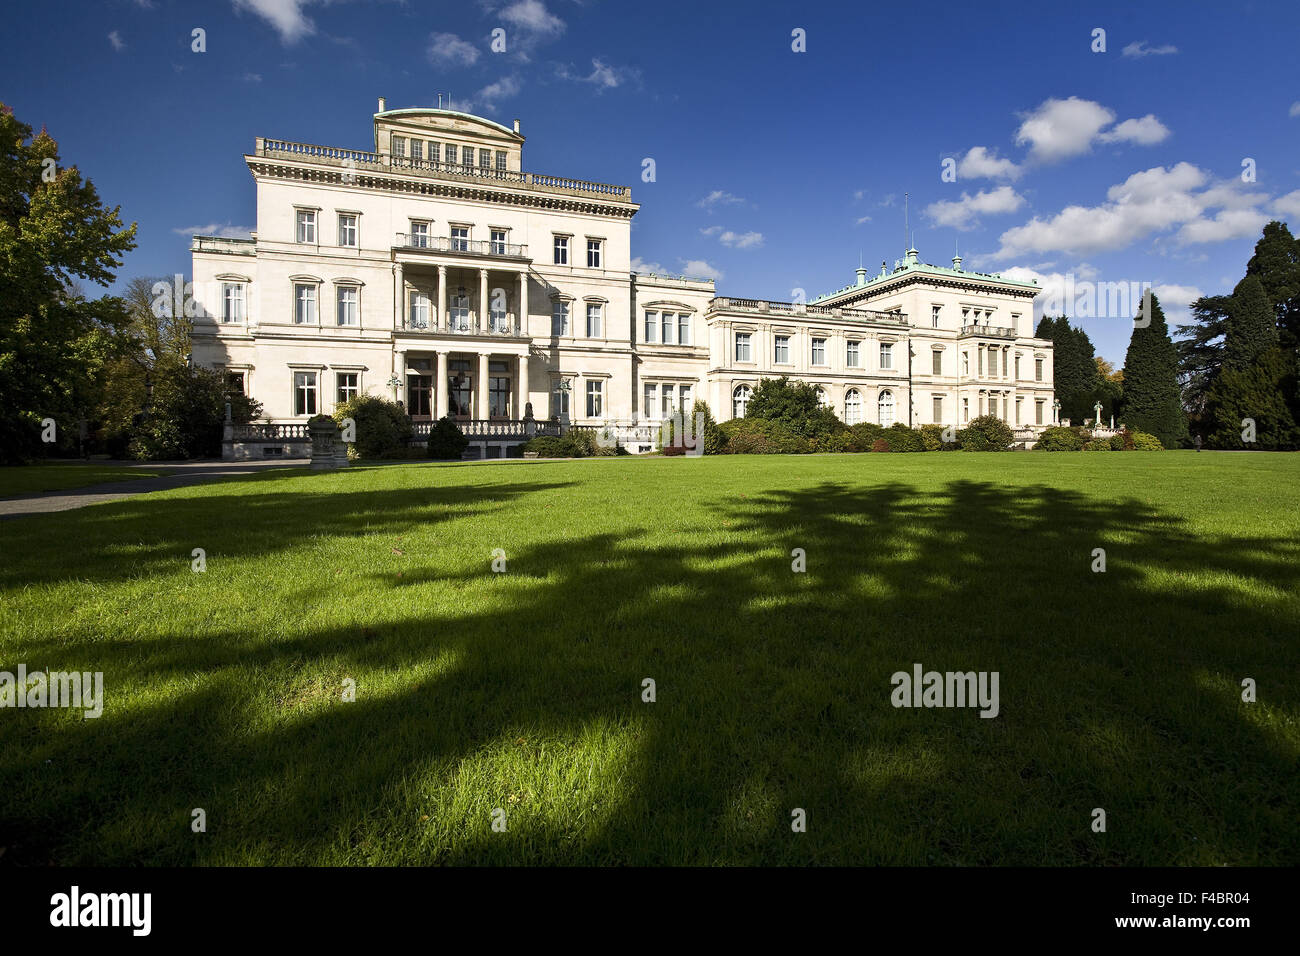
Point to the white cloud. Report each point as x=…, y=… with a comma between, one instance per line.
x=962, y=213
x=861, y=220
x=1288, y=205
x=1176, y=296
x=218, y=229
x=286, y=16
x=532, y=16
x=1227, y=224
x=493, y=93
x=115, y=38
x=1140, y=48
x=741, y=240
x=719, y=197
x=1295, y=109
x=979, y=163
x=447, y=49
x=1059, y=129
x=699, y=269
x=640, y=265
x=602, y=76
x=252, y=77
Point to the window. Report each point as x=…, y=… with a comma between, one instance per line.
x=460, y=238
x=851, y=354
x=937, y=360
x=348, y=301
x=740, y=400
x=467, y=158
x=936, y=413
x=886, y=355
x=417, y=150
x=459, y=388
x=1006, y=357
x=651, y=400
x=347, y=386
x=497, y=316
x=651, y=327
x=965, y=317
x=232, y=302
x=304, y=310
x=498, y=242
x=666, y=393
x=561, y=250
x=1015, y=322
x=306, y=225
x=451, y=154
x=419, y=388
x=593, y=320
x=1018, y=417
x=560, y=317
x=559, y=400
x=685, y=401
x=683, y=329
x=304, y=393
x=934, y=316
x=1038, y=412
x=965, y=409
x=498, y=396
x=595, y=391
x=965, y=363
x=1004, y=408
x=1017, y=366
x=979, y=361
x=501, y=161
x=435, y=152
x=669, y=327
x=886, y=408
x=742, y=350
x=1038, y=370
x=593, y=253
x=418, y=316
x=822, y=398
x=819, y=351
x=781, y=349
x=852, y=407
x=234, y=383
x=347, y=229
x=399, y=146
x=420, y=235
x=485, y=159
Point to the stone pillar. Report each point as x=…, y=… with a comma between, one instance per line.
x=1006, y=361
x=482, y=300
x=440, y=385
x=441, y=321
x=399, y=310
x=523, y=386
x=523, y=304
x=482, y=410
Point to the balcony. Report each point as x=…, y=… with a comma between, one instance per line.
x=768, y=307
x=989, y=331
x=405, y=241
x=506, y=326
x=360, y=162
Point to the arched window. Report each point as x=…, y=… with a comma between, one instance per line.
x=740, y=399
x=852, y=407
x=886, y=409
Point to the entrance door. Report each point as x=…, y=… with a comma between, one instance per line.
x=418, y=395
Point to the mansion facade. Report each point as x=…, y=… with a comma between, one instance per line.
x=435, y=271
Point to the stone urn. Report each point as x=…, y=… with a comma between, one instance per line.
x=324, y=434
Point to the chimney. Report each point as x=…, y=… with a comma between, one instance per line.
x=383, y=104
x=516, y=126
x=862, y=276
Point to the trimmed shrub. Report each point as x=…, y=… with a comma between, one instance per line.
x=880, y=445
x=1117, y=442
x=548, y=446
x=794, y=404
x=446, y=440
x=839, y=441
x=1058, y=438
x=1097, y=444
x=932, y=437
x=383, y=427
x=865, y=435
x=986, y=433
x=901, y=438
x=757, y=436
x=1142, y=441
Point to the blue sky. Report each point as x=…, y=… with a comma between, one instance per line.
x=775, y=169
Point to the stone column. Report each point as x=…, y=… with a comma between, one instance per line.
x=523, y=303
x=399, y=310
x=523, y=386
x=441, y=321
x=482, y=410
x=440, y=385
x=482, y=300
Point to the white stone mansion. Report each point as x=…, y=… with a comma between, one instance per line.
x=435, y=271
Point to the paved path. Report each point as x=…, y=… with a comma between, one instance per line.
x=182, y=474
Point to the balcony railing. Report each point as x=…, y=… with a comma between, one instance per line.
x=992, y=331
x=496, y=428
x=725, y=304
x=465, y=325
x=364, y=162
x=265, y=432
x=473, y=247
x=230, y=247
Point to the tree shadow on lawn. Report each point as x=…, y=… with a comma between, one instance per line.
x=773, y=692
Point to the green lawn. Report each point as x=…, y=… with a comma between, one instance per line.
x=34, y=479
x=522, y=690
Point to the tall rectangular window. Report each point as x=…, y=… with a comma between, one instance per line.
x=459, y=308
x=781, y=350
x=886, y=355
x=418, y=316
x=501, y=160
x=937, y=411
x=965, y=409
x=1017, y=367
x=651, y=400
x=420, y=235
x=304, y=393
x=399, y=146
x=561, y=250
x=934, y=316
x=485, y=159
x=683, y=329
x=593, y=320
x=435, y=152
x=851, y=354
x=304, y=310
x=347, y=386
x=232, y=302
x=306, y=225
x=1038, y=412
x=417, y=150
x=595, y=393
x=938, y=362
x=685, y=399
x=560, y=317
x=347, y=229
x=460, y=238
x=467, y=159
x=652, y=328
x=498, y=396
x=742, y=347
x=348, y=301
x=593, y=253
x=498, y=242
x=1038, y=371
x=819, y=351
x=669, y=329
x=965, y=363
x=451, y=154
x=666, y=403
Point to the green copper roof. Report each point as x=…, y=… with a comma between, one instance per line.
x=905, y=267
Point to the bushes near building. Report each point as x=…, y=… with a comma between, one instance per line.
x=383, y=429
x=986, y=433
x=446, y=441
x=1059, y=438
x=760, y=436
